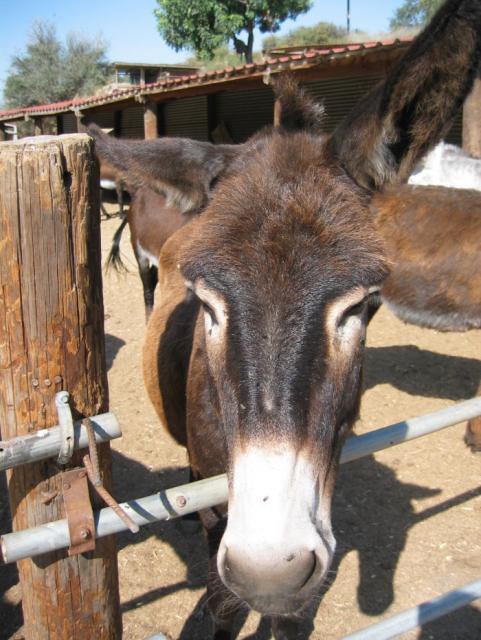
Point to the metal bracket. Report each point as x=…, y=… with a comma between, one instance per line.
x=79, y=512
x=65, y=421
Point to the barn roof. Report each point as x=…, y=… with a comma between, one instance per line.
x=297, y=60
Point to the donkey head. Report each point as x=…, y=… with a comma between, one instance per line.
x=282, y=262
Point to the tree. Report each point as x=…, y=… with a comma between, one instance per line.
x=319, y=33
x=49, y=71
x=415, y=13
x=205, y=25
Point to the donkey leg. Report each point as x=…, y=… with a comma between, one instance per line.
x=149, y=277
x=472, y=437
x=120, y=197
x=291, y=628
x=223, y=605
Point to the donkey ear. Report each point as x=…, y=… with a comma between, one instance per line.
x=388, y=132
x=298, y=110
x=182, y=169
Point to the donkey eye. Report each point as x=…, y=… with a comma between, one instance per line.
x=209, y=311
x=356, y=310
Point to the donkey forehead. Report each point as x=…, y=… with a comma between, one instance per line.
x=284, y=250
x=288, y=214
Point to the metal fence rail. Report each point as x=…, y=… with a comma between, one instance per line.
x=422, y=614
x=46, y=443
x=191, y=497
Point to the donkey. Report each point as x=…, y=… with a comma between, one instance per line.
x=253, y=357
x=151, y=222
x=111, y=180
x=432, y=237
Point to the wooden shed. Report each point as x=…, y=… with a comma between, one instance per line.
x=231, y=104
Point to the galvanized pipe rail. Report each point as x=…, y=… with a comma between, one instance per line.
x=191, y=497
x=46, y=443
x=422, y=614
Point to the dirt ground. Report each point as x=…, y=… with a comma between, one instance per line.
x=407, y=520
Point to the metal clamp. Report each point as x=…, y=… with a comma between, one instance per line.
x=79, y=512
x=65, y=421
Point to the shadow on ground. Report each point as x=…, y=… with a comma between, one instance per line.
x=10, y=614
x=372, y=515
x=405, y=367
x=112, y=347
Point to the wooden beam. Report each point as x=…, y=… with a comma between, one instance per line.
x=52, y=339
x=79, y=116
x=276, y=116
x=37, y=126
x=472, y=120
x=151, y=127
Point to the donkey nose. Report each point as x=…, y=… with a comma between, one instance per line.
x=279, y=576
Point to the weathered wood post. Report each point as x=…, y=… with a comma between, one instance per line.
x=38, y=126
x=150, y=121
x=52, y=338
x=472, y=120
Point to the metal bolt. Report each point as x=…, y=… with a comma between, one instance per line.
x=35, y=382
x=84, y=534
x=66, y=485
x=47, y=382
x=181, y=501
x=57, y=379
x=82, y=474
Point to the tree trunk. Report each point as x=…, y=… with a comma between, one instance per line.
x=52, y=338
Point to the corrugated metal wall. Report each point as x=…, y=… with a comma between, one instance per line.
x=103, y=119
x=339, y=95
x=245, y=112
x=187, y=117
x=69, y=123
x=132, y=123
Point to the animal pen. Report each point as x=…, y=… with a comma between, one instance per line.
x=51, y=343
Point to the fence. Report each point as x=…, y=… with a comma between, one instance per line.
x=191, y=497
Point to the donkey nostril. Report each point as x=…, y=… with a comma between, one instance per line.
x=312, y=565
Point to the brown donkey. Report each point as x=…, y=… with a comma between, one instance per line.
x=432, y=237
x=151, y=222
x=253, y=356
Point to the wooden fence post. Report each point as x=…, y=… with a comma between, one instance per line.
x=52, y=338
x=472, y=120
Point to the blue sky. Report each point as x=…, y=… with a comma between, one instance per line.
x=130, y=27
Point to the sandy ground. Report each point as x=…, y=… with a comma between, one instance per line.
x=407, y=520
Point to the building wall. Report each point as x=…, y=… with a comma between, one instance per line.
x=241, y=112
x=186, y=117
x=244, y=112
x=132, y=122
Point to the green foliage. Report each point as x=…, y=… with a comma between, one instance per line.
x=222, y=57
x=322, y=32
x=205, y=25
x=49, y=71
x=415, y=13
